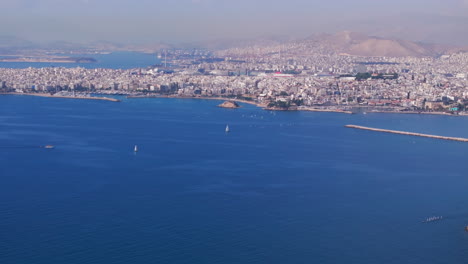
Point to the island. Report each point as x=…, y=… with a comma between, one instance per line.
x=229, y=104
x=47, y=59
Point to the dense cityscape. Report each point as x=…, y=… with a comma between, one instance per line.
x=278, y=78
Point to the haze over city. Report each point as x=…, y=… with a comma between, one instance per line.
x=177, y=21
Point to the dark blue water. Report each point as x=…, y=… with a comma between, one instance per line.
x=281, y=187
x=116, y=60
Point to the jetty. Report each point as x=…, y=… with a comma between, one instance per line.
x=407, y=133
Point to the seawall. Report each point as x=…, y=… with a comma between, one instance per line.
x=407, y=133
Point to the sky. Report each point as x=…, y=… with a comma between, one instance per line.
x=185, y=21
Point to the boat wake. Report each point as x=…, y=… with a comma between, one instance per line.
x=432, y=219
x=27, y=147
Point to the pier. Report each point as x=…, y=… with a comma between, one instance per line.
x=407, y=133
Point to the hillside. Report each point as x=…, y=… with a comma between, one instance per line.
x=347, y=43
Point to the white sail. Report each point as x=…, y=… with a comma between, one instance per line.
x=227, y=128
x=135, y=148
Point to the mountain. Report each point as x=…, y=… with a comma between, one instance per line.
x=361, y=45
x=221, y=44
x=10, y=44
x=348, y=43
x=10, y=41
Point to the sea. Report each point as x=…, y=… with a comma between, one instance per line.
x=280, y=187
x=114, y=60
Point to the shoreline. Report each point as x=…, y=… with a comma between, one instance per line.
x=64, y=97
x=41, y=61
x=414, y=113
x=407, y=133
x=198, y=98
x=326, y=110
x=263, y=106
x=260, y=105
x=300, y=108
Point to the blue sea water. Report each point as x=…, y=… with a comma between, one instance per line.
x=281, y=187
x=115, y=60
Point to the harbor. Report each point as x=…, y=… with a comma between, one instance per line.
x=407, y=133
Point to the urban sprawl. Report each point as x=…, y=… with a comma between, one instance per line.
x=276, y=79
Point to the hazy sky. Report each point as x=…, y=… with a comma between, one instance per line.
x=194, y=20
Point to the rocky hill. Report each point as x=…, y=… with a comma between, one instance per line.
x=347, y=43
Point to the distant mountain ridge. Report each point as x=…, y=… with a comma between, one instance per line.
x=361, y=45
x=345, y=43
x=357, y=44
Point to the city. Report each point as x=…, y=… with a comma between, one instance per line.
x=281, y=81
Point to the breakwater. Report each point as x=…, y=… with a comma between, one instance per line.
x=407, y=133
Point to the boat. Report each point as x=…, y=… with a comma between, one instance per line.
x=227, y=128
x=49, y=146
x=135, y=149
x=432, y=219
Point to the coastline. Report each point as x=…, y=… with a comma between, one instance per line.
x=45, y=59
x=260, y=105
x=263, y=106
x=64, y=97
x=41, y=61
x=326, y=110
x=203, y=98
x=414, y=113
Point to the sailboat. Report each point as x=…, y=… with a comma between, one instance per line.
x=135, y=149
x=227, y=128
